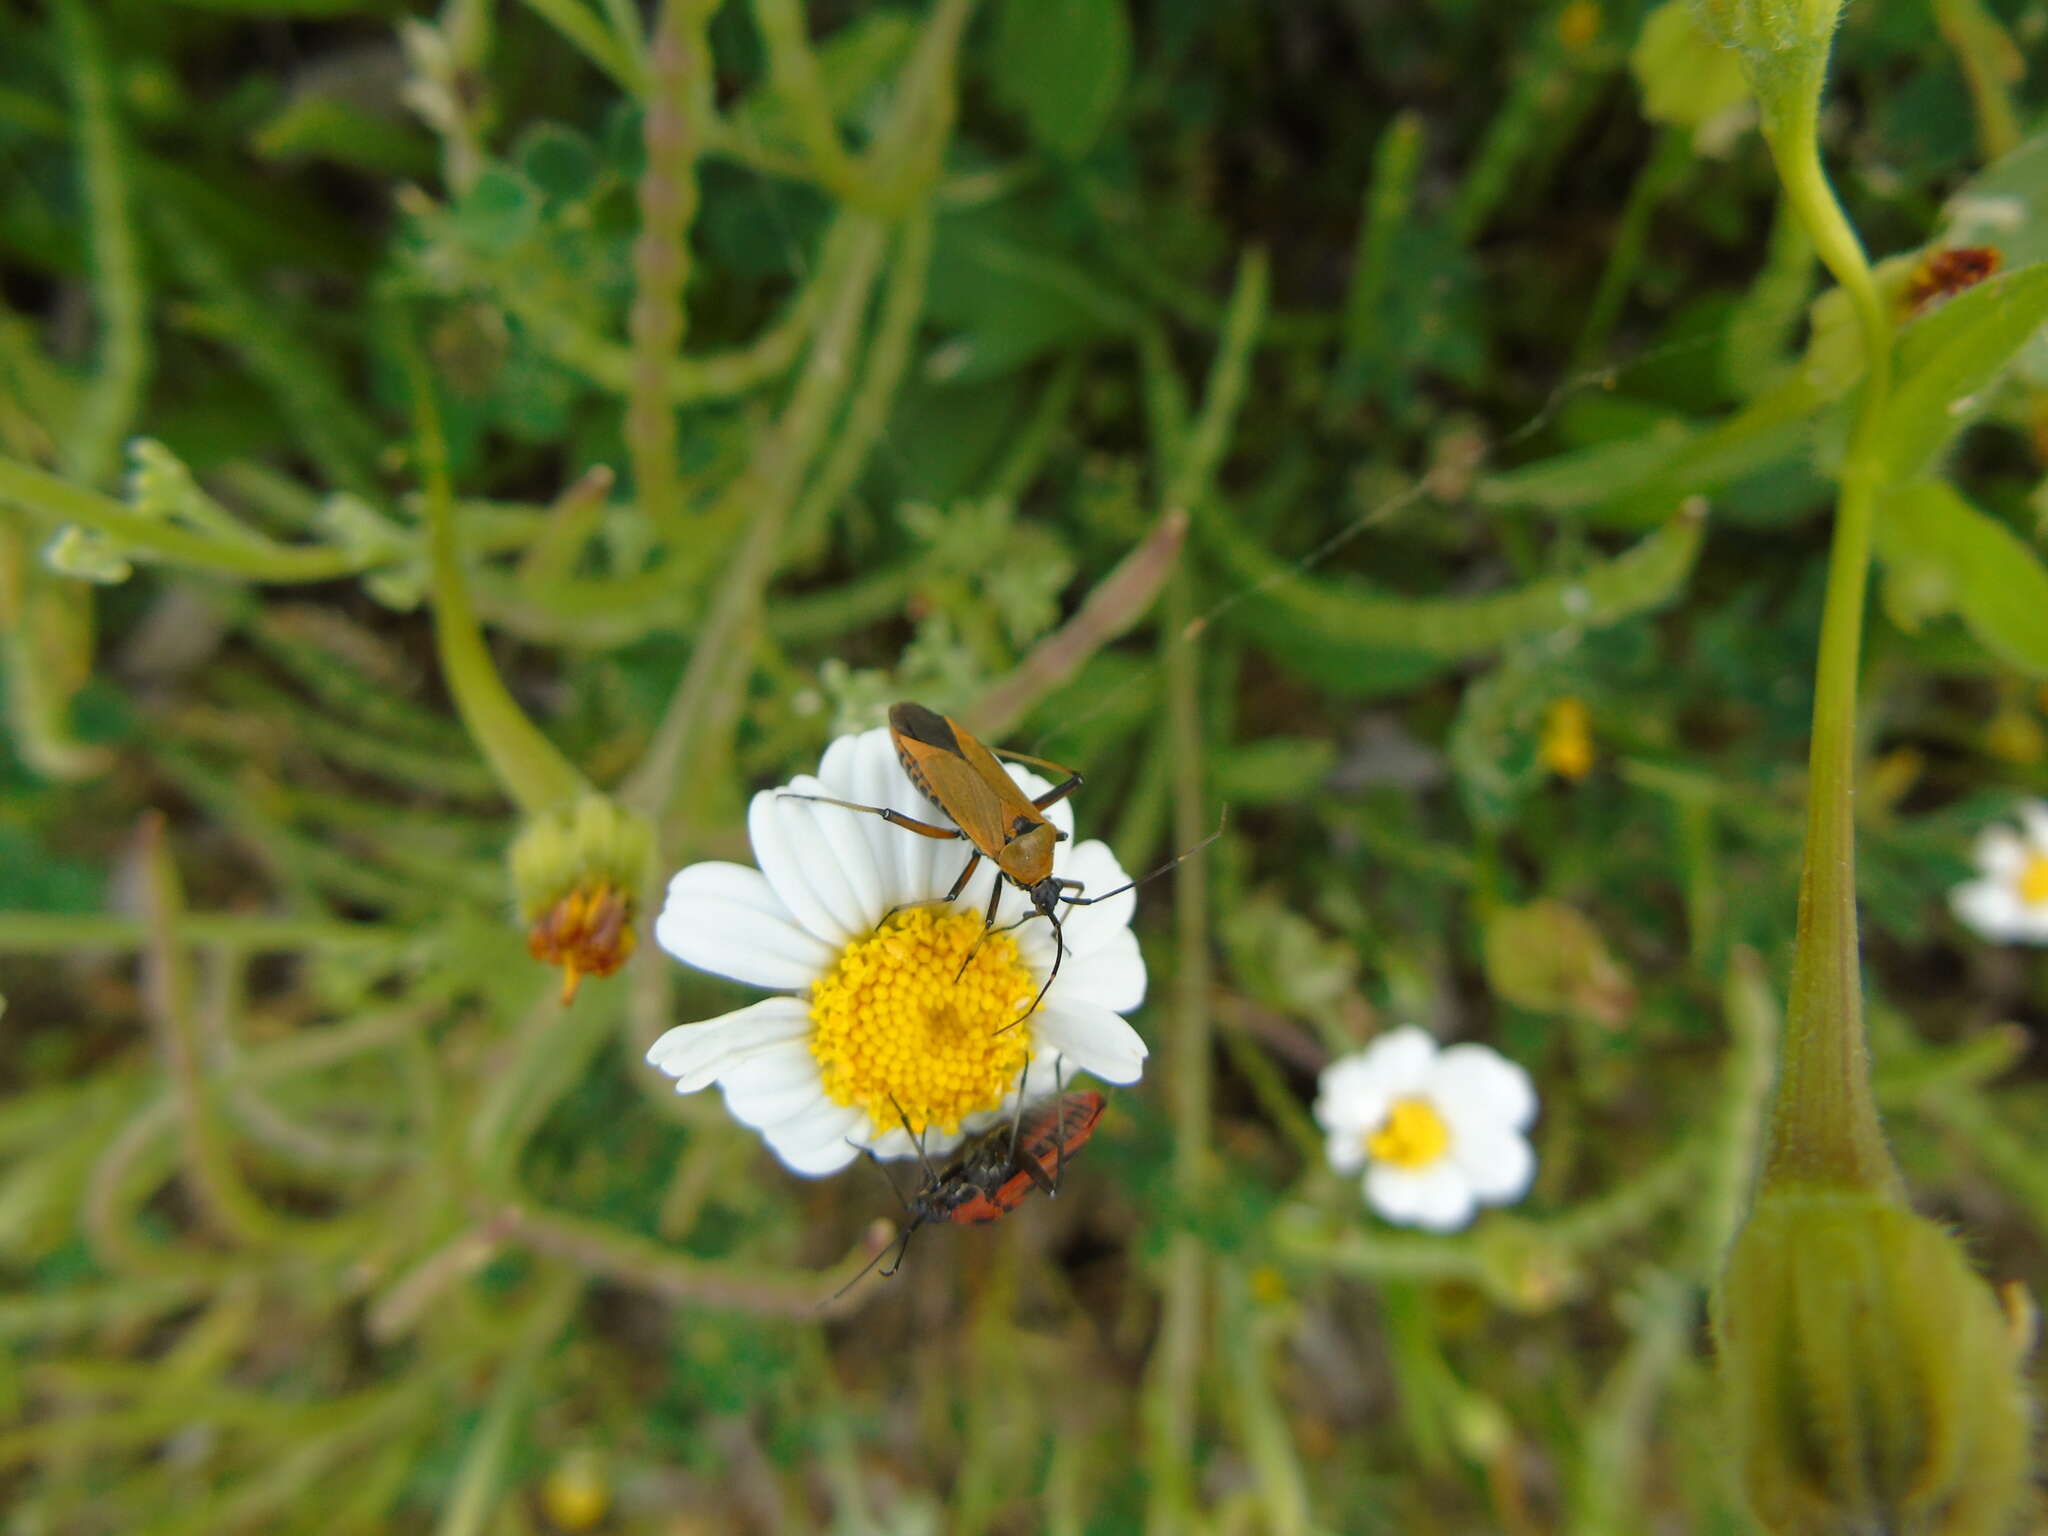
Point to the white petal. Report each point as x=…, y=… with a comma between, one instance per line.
x=727, y=919
x=1991, y=907
x=1401, y=1058
x=697, y=1054
x=1093, y=1039
x=1088, y=928
x=1497, y=1164
x=1435, y=1198
x=773, y=1087
x=817, y=1143
x=845, y=849
x=784, y=855
x=2032, y=926
x=1471, y=1083
x=872, y=776
x=1999, y=851
x=2034, y=817
x=1111, y=976
x=1352, y=1097
x=1346, y=1152
x=825, y=848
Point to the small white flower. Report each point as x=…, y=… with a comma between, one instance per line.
x=2008, y=902
x=846, y=919
x=1438, y=1132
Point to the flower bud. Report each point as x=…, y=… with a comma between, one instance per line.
x=1761, y=27
x=577, y=874
x=85, y=554
x=1871, y=1381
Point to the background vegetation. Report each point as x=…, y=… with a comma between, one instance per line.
x=1283, y=407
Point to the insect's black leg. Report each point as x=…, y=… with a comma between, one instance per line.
x=1039, y=1176
x=903, y=1247
x=883, y=1169
x=988, y=923
x=894, y=818
x=1058, y=792
x=1017, y=1118
x=931, y=1174
x=959, y=885
x=1059, y=1126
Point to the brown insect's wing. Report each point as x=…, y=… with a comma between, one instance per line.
x=985, y=763
x=965, y=796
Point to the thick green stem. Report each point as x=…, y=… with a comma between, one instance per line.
x=525, y=761
x=1824, y=1126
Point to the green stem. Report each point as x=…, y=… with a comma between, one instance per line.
x=109, y=407
x=525, y=761
x=676, y=109
x=51, y=499
x=1824, y=1127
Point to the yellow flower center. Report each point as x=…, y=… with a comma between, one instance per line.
x=897, y=1022
x=1413, y=1136
x=2032, y=883
x=1566, y=747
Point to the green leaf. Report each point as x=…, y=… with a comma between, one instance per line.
x=1063, y=64
x=1275, y=771
x=1004, y=297
x=1348, y=634
x=853, y=63
x=1942, y=555
x=1948, y=362
x=1685, y=77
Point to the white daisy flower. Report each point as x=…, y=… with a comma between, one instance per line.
x=846, y=919
x=2008, y=902
x=1438, y=1132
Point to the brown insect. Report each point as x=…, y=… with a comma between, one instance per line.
x=993, y=815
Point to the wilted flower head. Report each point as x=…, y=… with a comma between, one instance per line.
x=576, y=876
x=2008, y=901
x=895, y=1003
x=1438, y=1132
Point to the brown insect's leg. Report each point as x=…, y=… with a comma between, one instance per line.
x=1059, y=791
x=894, y=818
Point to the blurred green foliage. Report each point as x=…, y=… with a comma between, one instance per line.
x=787, y=360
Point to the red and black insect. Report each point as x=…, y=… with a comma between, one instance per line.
x=993, y=1174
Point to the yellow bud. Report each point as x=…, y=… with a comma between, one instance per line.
x=1870, y=1376
x=577, y=1494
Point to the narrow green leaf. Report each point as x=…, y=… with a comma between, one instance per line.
x=1942, y=555
x=1948, y=362
x=1063, y=64
x=1349, y=634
